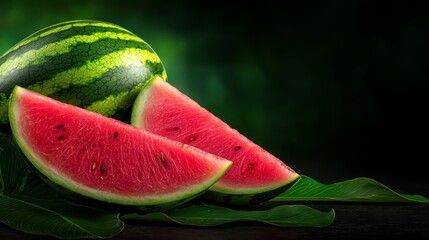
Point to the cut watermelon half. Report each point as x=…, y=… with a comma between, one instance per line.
x=255, y=176
x=105, y=159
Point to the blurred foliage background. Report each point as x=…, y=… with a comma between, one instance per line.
x=330, y=87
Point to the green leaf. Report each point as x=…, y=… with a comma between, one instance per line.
x=13, y=171
x=57, y=218
x=354, y=190
x=209, y=215
x=29, y=205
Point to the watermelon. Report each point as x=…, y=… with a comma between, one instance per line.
x=91, y=64
x=107, y=160
x=255, y=176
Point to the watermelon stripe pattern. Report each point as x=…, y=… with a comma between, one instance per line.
x=91, y=64
x=67, y=29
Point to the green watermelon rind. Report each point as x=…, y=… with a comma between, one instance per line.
x=58, y=180
x=243, y=199
x=249, y=191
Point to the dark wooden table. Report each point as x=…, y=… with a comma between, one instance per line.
x=352, y=221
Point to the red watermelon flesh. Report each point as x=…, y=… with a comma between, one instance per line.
x=164, y=110
x=106, y=159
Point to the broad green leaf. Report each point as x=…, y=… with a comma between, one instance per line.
x=13, y=171
x=29, y=205
x=209, y=215
x=57, y=218
x=354, y=190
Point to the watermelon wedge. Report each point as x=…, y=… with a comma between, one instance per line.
x=107, y=160
x=255, y=176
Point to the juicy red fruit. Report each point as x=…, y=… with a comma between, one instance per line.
x=84, y=150
x=164, y=110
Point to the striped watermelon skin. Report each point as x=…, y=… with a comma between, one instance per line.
x=91, y=64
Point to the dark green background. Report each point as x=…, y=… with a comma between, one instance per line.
x=333, y=88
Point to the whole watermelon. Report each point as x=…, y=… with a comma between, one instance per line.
x=91, y=64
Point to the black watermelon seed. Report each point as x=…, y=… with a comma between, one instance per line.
x=237, y=148
x=251, y=166
x=59, y=126
x=115, y=135
x=103, y=168
x=60, y=138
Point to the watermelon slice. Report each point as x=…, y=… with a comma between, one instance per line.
x=255, y=176
x=105, y=159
